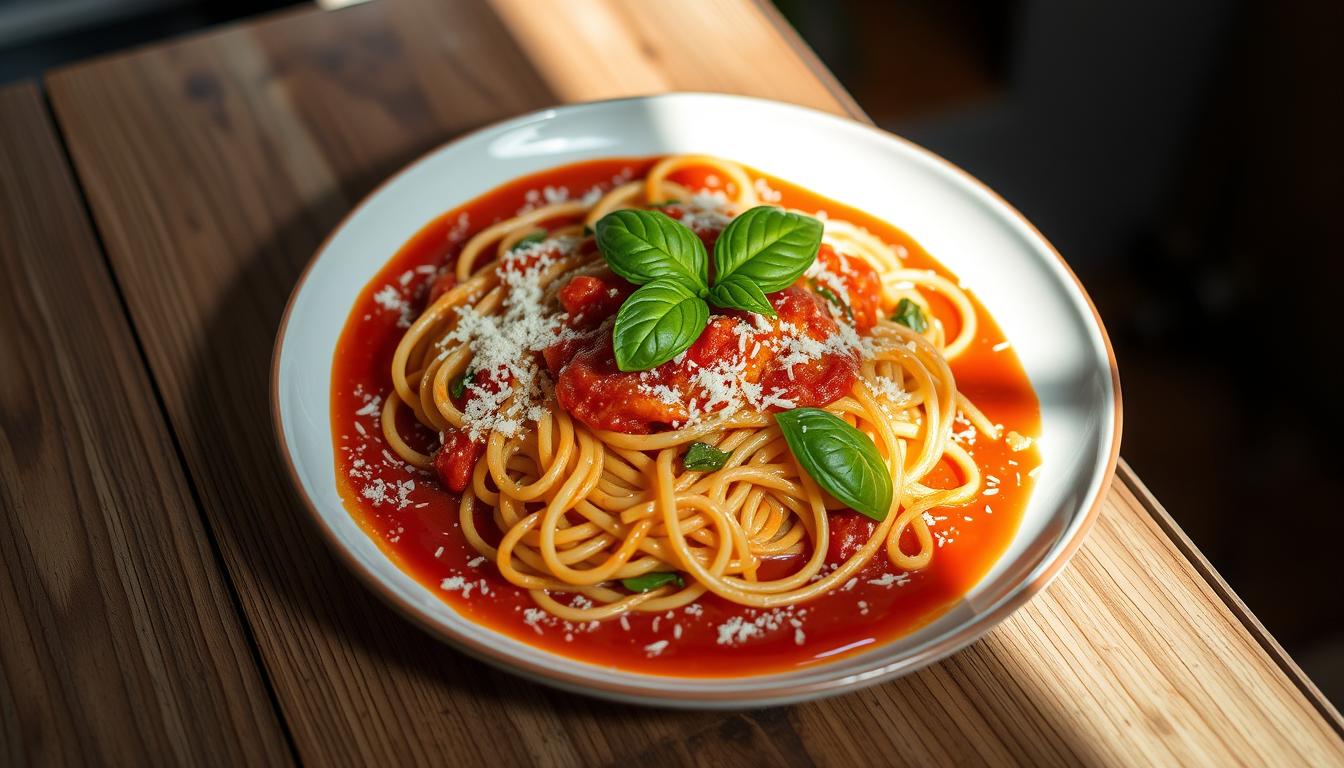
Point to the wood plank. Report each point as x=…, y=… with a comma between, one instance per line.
x=1234, y=603
x=602, y=49
x=243, y=148
x=121, y=644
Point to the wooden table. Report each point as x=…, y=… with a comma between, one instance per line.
x=164, y=599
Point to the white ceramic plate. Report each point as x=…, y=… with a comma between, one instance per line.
x=1001, y=257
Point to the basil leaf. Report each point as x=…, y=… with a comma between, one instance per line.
x=840, y=458
x=535, y=236
x=458, y=387
x=911, y=316
x=826, y=293
x=702, y=457
x=657, y=322
x=652, y=581
x=739, y=292
x=643, y=246
x=769, y=245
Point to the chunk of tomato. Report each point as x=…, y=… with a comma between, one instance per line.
x=589, y=299
x=455, y=461
x=849, y=531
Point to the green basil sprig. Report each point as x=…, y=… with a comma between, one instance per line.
x=840, y=458
x=668, y=312
x=651, y=581
x=702, y=457
x=764, y=250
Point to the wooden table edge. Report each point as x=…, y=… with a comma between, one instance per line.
x=1126, y=474
x=813, y=62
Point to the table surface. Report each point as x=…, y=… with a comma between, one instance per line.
x=165, y=599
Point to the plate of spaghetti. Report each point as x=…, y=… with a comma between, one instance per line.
x=695, y=400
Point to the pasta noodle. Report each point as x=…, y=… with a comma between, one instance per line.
x=576, y=508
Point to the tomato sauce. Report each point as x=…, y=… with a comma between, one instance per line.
x=414, y=519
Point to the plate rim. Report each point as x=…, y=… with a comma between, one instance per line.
x=648, y=694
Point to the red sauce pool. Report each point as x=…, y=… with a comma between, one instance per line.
x=418, y=526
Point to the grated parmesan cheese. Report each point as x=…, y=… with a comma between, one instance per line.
x=533, y=617
x=460, y=584
x=706, y=212
x=504, y=345
x=1017, y=442
x=888, y=579
x=735, y=630
x=891, y=390
x=391, y=299
x=396, y=494
x=739, y=629
x=834, y=282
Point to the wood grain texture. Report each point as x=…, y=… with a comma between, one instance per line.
x=120, y=642
x=214, y=166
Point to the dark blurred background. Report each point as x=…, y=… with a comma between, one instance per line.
x=1185, y=158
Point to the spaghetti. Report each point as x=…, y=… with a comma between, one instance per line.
x=573, y=500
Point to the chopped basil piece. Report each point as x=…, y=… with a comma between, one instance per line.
x=702, y=457
x=652, y=581
x=911, y=316
x=829, y=295
x=535, y=236
x=458, y=387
